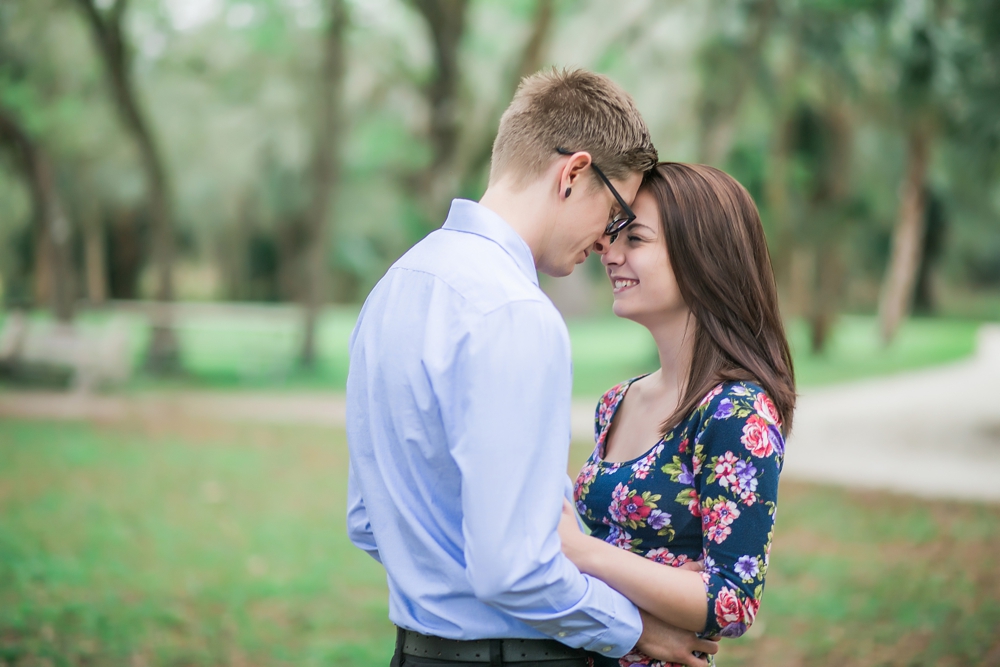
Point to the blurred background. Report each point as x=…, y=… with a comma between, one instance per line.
x=197, y=195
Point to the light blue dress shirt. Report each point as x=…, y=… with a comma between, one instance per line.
x=458, y=423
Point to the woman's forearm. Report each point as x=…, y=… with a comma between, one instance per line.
x=674, y=595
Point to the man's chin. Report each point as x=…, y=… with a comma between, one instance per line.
x=557, y=271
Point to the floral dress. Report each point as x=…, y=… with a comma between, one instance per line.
x=707, y=491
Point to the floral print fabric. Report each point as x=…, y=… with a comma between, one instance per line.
x=707, y=491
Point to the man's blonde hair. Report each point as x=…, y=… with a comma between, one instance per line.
x=576, y=110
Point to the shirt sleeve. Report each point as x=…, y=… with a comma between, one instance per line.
x=739, y=448
x=359, y=528
x=509, y=434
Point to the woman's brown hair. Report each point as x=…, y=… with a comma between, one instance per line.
x=717, y=249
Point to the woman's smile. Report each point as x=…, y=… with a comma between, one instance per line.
x=622, y=284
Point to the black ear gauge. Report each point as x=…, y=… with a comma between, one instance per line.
x=568, y=190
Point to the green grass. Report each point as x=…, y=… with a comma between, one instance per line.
x=167, y=542
x=258, y=350
x=607, y=351
x=182, y=544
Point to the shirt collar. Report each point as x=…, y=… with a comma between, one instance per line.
x=474, y=218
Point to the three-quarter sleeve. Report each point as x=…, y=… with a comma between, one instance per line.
x=739, y=449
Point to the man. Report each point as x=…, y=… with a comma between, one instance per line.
x=458, y=400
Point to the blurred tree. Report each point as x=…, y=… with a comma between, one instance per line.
x=920, y=115
x=437, y=183
x=531, y=59
x=112, y=44
x=731, y=65
x=326, y=171
x=53, y=230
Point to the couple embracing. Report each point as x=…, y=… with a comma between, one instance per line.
x=458, y=402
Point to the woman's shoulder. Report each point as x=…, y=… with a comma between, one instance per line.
x=742, y=410
x=737, y=400
x=609, y=401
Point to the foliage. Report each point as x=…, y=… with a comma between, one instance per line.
x=807, y=103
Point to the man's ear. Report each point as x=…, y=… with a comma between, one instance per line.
x=571, y=172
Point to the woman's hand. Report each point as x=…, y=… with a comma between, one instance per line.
x=574, y=542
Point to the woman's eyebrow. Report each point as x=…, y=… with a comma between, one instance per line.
x=639, y=224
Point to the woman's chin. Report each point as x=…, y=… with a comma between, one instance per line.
x=621, y=310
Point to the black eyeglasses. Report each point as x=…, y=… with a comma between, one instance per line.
x=625, y=217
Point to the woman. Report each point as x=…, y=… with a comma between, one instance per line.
x=687, y=458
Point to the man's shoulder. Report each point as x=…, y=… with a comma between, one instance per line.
x=475, y=269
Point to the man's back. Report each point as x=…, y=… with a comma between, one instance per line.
x=458, y=424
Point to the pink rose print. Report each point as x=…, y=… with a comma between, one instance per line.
x=710, y=395
x=730, y=613
x=765, y=408
x=755, y=437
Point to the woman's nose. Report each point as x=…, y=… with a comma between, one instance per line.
x=604, y=248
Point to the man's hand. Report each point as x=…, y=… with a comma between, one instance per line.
x=673, y=645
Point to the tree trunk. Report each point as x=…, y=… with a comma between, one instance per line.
x=95, y=261
x=326, y=173
x=830, y=208
x=776, y=194
x=439, y=181
x=719, y=116
x=53, y=265
x=907, y=242
x=824, y=301
x=531, y=60
x=110, y=40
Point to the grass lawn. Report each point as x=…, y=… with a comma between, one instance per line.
x=257, y=349
x=167, y=542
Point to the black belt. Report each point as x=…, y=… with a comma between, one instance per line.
x=487, y=651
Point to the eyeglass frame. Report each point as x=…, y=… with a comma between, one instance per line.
x=617, y=224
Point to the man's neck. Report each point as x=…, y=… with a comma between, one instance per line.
x=519, y=209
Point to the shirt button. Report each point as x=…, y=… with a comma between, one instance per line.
x=606, y=649
x=562, y=634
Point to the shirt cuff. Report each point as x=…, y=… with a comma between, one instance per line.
x=624, y=624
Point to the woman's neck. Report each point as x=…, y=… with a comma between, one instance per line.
x=674, y=337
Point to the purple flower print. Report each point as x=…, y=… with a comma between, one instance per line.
x=619, y=537
x=686, y=477
x=733, y=630
x=658, y=519
x=746, y=485
x=745, y=470
x=777, y=441
x=725, y=409
x=747, y=568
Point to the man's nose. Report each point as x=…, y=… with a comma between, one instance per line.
x=602, y=245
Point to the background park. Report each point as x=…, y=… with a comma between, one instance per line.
x=197, y=195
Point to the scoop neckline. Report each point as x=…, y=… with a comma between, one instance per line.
x=607, y=427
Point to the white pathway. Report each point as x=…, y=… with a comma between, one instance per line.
x=933, y=433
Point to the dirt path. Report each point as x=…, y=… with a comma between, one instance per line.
x=933, y=433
